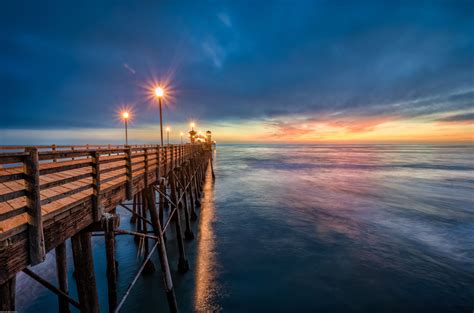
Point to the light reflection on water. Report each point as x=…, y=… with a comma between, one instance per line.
x=295, y=228
x=207, y=288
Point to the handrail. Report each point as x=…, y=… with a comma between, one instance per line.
x=67, y=171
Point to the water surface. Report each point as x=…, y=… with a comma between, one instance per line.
x=298, y=228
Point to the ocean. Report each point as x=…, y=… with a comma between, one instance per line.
x=311, y=228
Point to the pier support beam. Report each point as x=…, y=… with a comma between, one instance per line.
x=7, y=295
x=188, y=173
x=109, y=224
x=183, y=265
x=165, y=268
x=61, y=272
x=137, y=203
x=85, y=277
x=149, y=266
x=162, y=204
x=195, y=183
x=188, y=233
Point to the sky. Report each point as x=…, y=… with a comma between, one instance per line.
x=249, y=71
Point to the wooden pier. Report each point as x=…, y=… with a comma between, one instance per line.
x=49, y=194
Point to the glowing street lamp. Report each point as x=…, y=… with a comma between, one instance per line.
x=192, y=125
x=160, y=93
x=125, y=117
x=181, y=134
x=168, y=135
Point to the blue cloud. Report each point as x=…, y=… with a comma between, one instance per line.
x=64, y=66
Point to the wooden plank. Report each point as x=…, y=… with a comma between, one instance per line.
x=11, y=177
x=65, y=194
x=51, y=155
x=12, y=158
x=12, y=195
x=64, y=181
x=70, y=166
x=111, y=169
x=12, y=213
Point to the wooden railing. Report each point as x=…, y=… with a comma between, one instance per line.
x=39, y=183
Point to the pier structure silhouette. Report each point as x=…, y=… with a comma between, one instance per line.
x=50, y=194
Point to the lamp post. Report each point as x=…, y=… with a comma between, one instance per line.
x=125, y=116
x=181, y=134
x=159, y=93
x=168, y=135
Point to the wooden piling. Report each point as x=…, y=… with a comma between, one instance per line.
x=138, y=225
x=149, y=266
x=162, y=204
x=165, y=268
x=7, y=295
x=188, y=233
x=183, y=265
x=110, y=223
x=85, y=277
x=195, y=183
x=188, y=173
x=61, y=272
x=133, y=218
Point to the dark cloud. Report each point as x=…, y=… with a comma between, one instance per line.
x=469, y=117
x=64, y=66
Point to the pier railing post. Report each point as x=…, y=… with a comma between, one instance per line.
x=157, y=156
x=129, y=185
x=146, y=166
x=97, y=209
x=33, y=200
x=53, y=148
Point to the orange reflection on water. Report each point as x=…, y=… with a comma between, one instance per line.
x=206, y=285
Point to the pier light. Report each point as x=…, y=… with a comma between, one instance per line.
x=192, y=125
x=181, y=134
x=168, y=134
x=125, y=116
x=159, y=92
